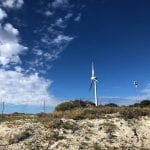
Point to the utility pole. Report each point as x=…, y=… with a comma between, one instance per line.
x=44, y=106
x=3, y=108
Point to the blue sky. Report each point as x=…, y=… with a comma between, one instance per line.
x=47, y=47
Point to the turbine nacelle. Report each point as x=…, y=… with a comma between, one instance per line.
x=94, y=78
x=135, y=83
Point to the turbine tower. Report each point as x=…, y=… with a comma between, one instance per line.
x=136, y=89
x=94, y=84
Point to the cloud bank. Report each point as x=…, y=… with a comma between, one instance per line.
x=18, y=88
x=12, y=3
x=10, y=48
x=22, y=81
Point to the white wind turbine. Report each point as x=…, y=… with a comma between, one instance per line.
x=94, y=84
x=136, y=83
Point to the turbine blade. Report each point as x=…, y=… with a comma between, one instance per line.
x=93, y=73
x=91, y=85
x=96, y=80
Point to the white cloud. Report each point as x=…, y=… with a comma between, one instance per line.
x=12, y=3
x=60, y=23
x=19, y=69
x=10, y=52
x=78, y=17
x=142, y=95
x=51, y=38
x=48, y=13
x=55, y=45
x=10, y=48
x=2, y=14
x=145, y=92
x=60, y=3
x=37, y=51
x=62, y=39
x=17, y=88
x=8, y=33
x=10, y=29
x=68, y=16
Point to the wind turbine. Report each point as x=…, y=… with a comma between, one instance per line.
x=136, y=83
x=94, y=84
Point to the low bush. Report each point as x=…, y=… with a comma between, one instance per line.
x=100, y=112
x=73, y=104
x=111, y=105
x=129, y=113
x=144, y=103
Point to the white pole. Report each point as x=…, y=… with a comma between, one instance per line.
x=136, y=93
x=95, y=88
x=136, y=90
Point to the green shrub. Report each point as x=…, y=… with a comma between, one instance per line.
x=135, y=105
x=145, y=103
x=64, y=106
x=129, y=113
x=100, y=112
x=73, y=104
x=111, y=105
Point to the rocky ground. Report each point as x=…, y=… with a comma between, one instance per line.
x=110, y=132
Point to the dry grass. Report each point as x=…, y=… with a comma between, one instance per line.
x=52, y=120
x=97, y=112
x=82, y=113
x=54, y=123
x=129, y=113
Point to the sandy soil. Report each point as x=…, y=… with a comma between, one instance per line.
x=110, y=132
